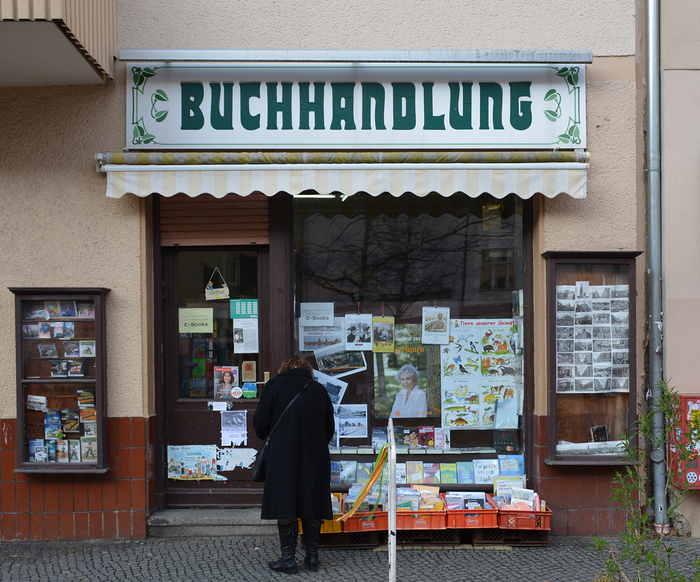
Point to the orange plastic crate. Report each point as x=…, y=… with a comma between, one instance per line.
x=421, y=520
x=365, y=521
x=524, y=519
x=328, y=525
x=473, y=518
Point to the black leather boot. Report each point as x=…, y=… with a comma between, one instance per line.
x=288, y=532
x=312, y=532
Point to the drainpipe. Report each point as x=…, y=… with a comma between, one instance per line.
x=655, y=324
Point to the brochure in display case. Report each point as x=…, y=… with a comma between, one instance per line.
x=60, y=380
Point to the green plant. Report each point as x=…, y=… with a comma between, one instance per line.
x=640, y=553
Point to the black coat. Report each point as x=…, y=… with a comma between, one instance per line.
x=298, y=481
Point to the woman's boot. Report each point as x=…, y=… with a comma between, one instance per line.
x=288, y=531
x=312, y=532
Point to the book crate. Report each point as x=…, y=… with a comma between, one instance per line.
x=365, y=521
x=473, y=518
x=505, y=537
x=519, y=519
x=421, y=520
x=329, y=526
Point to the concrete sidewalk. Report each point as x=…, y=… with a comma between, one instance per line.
x=567, y=559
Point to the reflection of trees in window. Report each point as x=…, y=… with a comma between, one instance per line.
x=403, y=251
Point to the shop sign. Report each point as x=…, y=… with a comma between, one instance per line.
x=196, y=320
x=374, y=106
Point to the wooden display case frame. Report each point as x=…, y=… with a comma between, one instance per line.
x=554, y=259
x=99, y=382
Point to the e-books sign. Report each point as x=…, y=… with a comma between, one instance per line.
x=354, y=105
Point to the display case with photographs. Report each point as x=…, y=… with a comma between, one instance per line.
x=591, y=355
x=61, y=396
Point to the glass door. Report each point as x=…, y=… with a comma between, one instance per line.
x=211, y=367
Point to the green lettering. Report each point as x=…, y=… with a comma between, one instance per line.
x=373, y=92
x=520, y=119
x=404, y=92
x=463, y=120
x=306, y=106
x=219, y=120
x=431, y=121
x=275, y=107
x=343, y=105
x=248, y=121
x=493, y=92
x=192, y=97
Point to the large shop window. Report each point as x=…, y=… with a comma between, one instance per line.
x=591, y=352
x=390, y=258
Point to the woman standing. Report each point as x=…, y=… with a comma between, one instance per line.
x=298, y=478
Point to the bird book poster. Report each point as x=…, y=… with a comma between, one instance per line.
x=479, y=365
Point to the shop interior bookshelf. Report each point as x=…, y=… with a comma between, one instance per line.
x=61, y=380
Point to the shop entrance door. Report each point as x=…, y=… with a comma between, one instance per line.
x=201, y=349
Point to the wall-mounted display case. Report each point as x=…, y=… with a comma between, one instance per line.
x=61, y=380
x=591, y=307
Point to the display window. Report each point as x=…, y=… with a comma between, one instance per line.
x=418, y=301
x=591, y=324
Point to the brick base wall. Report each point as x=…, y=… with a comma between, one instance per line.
x=115, y=505
x=578, y=495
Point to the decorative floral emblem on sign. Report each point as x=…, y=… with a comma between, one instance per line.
x=140, y=134
x=573, y=130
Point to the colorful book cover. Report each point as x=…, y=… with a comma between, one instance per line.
x=44, y=330
x=41, y=454
x=57, y=330
x=485, y=470
x=442, y=438
x=379, y=438
x=364, y=470
x=431, y=473
x=86, y=398
x=511, y=464
x=87, y=348
x=68, y=309
x=33, y=444
x=34, y=310
x=74, y=451
x=335, y=472
x=448, y=473
x=52, y=415
x=52, y=309
x=59, y=368
x=465, y=472
x=47, y=350
x=68, y=330
x=426, y=437
x=199, y=367
x=199, y=348
x=76, y=368
x=70, y=421
x=348, y=472
x=198, y=388
x=71, y=349
x=414, y=472
x=401, y=473
x=30, y=331
x=86, y=310
x=87, y=414
x=88, y=449
x=410, y=437
x=51, y=450
x=90, y=428
x=62, y=451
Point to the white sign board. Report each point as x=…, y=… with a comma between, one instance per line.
x=184, y=105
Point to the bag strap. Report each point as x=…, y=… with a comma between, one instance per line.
x=288, y=407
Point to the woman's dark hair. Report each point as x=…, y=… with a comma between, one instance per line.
x=295, y=361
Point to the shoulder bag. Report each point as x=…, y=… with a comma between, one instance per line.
x=260, y=464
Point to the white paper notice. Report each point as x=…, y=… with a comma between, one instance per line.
x=234, y=428
x=316, y=314
x=229, y=459
x=245, y=336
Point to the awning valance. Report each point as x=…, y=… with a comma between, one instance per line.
x=472, y=173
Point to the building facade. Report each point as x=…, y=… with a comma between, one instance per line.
x=556, y=271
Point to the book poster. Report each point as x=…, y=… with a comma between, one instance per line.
x=383, y=334
x=335, y=387
x=479, y=365
x=592, y=336
x=314, y=337
x=192, y=462
x=358, y=332
x=436, y=325
x=352, y=421
x=410, y=359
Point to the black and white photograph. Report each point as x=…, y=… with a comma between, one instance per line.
x=566, y=292
x=565, y=385
x=582, y=358
x=352, y=420
x=565, y=345
x=337, y=362
x=565, y=319
x=566, y=306
x=584, y=318
x=583, y=333
x=584, y=384
x=565, y=358
x=601, y=318
x=583, y=290
x=335, y=388
x=565, y=332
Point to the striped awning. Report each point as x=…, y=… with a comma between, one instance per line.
x=472, y=173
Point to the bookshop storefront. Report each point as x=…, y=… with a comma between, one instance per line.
x=377, y=218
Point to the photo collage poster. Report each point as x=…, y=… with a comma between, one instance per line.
x=480, y=365
x=592, y=338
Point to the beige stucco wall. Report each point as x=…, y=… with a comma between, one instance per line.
x=680, y=41
x=60, y=230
